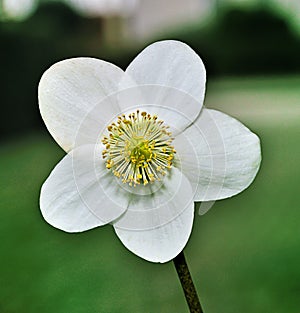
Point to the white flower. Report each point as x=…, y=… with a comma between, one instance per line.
x=140, y=148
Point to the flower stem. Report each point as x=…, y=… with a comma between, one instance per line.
x=187, y=284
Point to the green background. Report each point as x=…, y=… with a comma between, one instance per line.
x=244, y=254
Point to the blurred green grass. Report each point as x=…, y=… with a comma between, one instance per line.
x=244, y=253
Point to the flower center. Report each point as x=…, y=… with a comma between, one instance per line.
x=138, y=148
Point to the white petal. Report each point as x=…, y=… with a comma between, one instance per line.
x=176, y=108
x=160, y=244
x=70, y=89
x=223, y=156
x=72, y=199
x=97, y=187
x=156, y=227
x=170, y=63
x=175, y=65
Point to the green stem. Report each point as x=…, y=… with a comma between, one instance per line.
x=187, y=284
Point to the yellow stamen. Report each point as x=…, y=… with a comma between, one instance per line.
x=138, y=148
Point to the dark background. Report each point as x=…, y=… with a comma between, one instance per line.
x=237, y=41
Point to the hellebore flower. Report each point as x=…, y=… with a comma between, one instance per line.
x=140, y=147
